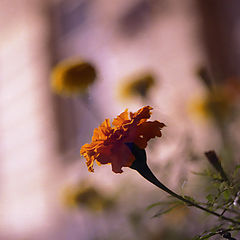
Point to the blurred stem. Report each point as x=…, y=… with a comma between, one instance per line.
x=144, y=170
x=214, y=160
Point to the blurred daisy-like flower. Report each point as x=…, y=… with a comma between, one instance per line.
x=219, y=103
x=138, y=85
x=71, y=77
x=212, y=105
x=86, y=196
x=110, y=143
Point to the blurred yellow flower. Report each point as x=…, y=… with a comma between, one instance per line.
x=71, y=77
x=86, y=196
x=109, y=144
x=138, y=85
x=213, y=105
x=218, y=103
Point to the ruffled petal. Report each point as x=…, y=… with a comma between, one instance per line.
x=104, y=155
x=102, y=132
x=121, y=157
x=146, y=131
x=143, y=113
x=121, y=119
x=89, y=151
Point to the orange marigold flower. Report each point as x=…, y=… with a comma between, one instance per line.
x=109, y=143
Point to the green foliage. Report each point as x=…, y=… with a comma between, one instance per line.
x=190, y=199
x=164, y=211
x=161, y=203
x=236, y=171
x=166, y=207
x=218, y=230
x=222, y=198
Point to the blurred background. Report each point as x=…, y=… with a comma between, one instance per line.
x=164, y=53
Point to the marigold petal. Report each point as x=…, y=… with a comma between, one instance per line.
x=121, y=157
x=88, y=148
x=104, y=155
x=89, y=163
x=105, y=127
x=102, y=132
x=146, y=131
x=143, y=113
x=121, y=119
x=89, y=151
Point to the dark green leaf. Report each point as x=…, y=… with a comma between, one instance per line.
x=227, y=194
x=210, y=198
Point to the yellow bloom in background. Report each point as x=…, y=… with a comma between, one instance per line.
x=109, y=144
x=138, y=85
x=71, y=77
x=86, y=196
x=212, y=106
x=217, y=105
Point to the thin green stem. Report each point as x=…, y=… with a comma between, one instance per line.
x=140, y=165
x=147, y=174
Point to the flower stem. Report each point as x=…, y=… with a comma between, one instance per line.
x=144, y=170
x=140, y=165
